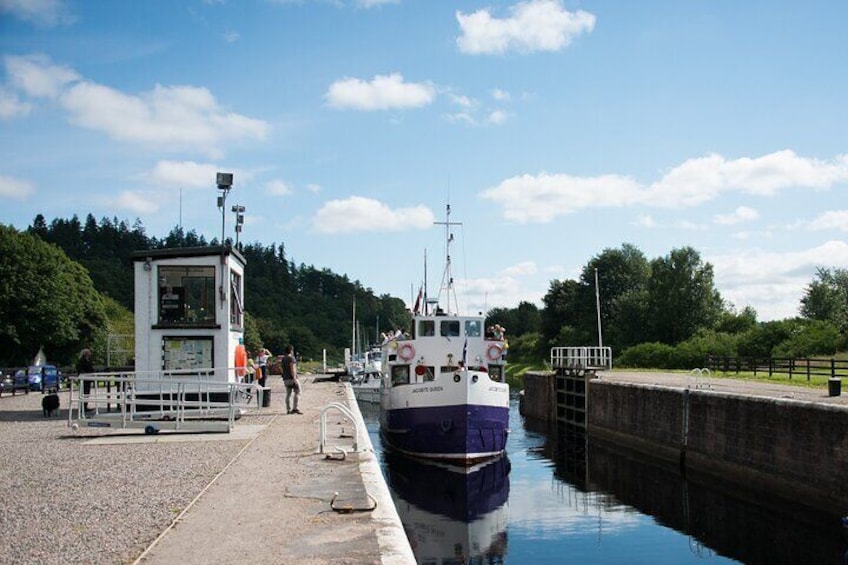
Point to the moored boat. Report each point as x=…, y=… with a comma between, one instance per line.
x=444, y=393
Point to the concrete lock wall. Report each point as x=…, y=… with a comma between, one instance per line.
x=538, y=399
x=785, y=446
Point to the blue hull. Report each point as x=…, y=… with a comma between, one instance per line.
x=460, y=433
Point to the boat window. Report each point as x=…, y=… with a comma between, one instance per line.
x=400, y=375
x=448, y=369
x=427, y=328
x=472, y=328
x=496, y=373
x=429, y=374
x=449, y=328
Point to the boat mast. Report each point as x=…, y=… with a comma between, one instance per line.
x=447, y=277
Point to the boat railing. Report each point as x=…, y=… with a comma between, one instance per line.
x=581, y=358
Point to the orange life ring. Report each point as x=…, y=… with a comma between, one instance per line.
x=406, y=351
x=241, y=360
x=494, y=352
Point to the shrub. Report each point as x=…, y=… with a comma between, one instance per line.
x=652, y=355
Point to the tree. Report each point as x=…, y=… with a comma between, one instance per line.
x=45, y=299
x=681, y=296
x=826, y=298
x=623, y=275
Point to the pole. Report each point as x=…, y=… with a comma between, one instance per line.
x=598, y=307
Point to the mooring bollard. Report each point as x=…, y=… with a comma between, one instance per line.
x=834, y=386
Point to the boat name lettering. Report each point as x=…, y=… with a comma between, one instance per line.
x=428, y=389
x=497, y=388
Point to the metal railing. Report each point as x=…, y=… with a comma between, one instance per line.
x=174, y=400
x=581, y=357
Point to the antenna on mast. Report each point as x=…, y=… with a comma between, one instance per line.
x=447, y=277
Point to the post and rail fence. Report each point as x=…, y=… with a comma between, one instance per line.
x=802, y=367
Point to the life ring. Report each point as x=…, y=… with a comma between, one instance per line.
x=406, y=351
x=494, y=352
x=241, y=360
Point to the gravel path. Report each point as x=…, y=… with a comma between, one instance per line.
x=62, y=501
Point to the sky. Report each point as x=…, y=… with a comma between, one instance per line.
x=555, y=130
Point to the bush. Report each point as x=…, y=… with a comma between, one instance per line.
x=652, y=355
x=816, y=337
x=693, y=352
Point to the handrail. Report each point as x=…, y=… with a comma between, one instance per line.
x=344, y=410
x=581, y=357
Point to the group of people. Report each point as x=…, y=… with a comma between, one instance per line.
x=257, y=371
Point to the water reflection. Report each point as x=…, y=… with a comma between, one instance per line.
x=564, y=497
x=451, y=515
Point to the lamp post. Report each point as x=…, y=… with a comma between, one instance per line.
x=225, y=183
x=238, y=210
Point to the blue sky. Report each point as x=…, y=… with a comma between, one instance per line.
x=556, y=129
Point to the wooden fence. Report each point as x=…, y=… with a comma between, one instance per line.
x=793, y=367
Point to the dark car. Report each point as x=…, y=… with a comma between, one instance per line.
x=13, y=383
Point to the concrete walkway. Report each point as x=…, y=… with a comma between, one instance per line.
x=281, y=501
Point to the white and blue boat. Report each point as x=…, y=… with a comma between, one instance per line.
x=444, y=391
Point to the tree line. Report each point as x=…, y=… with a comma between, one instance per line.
x=668, y=313
x=84, y=291
x=664, y=312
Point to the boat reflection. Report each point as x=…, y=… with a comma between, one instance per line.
x=451, y=514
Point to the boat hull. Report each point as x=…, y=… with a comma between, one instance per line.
x=463, y=433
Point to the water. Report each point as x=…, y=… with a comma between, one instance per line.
x=561, y=498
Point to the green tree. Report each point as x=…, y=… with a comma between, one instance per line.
x=681, y=296
x=826, y=298
x=623, y=275
x=45, y=299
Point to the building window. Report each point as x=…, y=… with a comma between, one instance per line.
x=186, y=295
x=236, y=304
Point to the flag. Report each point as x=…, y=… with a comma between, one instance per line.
x=465, y=352
x=417, y=307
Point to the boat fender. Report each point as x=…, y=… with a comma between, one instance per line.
x=406, y=352
x=494, y=352
x=447, y=425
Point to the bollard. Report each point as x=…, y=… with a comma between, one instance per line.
x=834, y=386
x=266, y=397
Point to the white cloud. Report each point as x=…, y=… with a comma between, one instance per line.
x=524, y=268
x=15, y=188
x=461, y=117
x=176, y=117
x=313, y=188
x=137, y=203
x=357, y=213
x=44, y=13
x=773, y=283
x=384, y=92
x=741, y=214
x=483, y=294
x=183, y=174
x=500, y=95
x=645, y=221
x=497, y=117
x=168, y=117
x=278, y=188
x=464, y=101
x=231, y=36
x=537, y=25
x=544, y=197
x=37, y=76
x=11, y=106
x=831, y=220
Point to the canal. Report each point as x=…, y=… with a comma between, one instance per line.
x=560, y=497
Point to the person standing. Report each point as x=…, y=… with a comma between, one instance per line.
x=262, y=370
x=85, y=366
x=289, y=366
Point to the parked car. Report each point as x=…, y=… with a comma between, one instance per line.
x=34, y=377
x=14, y=382
x=51, y=378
